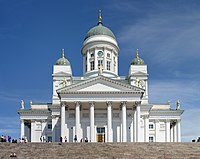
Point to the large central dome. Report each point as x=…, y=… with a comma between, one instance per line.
x=99, y=30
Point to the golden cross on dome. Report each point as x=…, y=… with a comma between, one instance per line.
x=99, y=17
x=63, y=53
x=137, y=54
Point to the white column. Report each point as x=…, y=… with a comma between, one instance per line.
x=104, y=59
x=109, y=122
x=88, y=60
x=175, y=132
x=146, y=128
x=33, y=131
x=138, y=126
x=124, y=132
x=95, y=59
x=167, y=131
x=178, y=130
x=77, y=128
x=62, y=121
x=54, y=121
x=22, y=128
x=92, y=137
x=146, y=88
x=43, y=127
x=157, y=130
x=135, y=127
x=171, y=133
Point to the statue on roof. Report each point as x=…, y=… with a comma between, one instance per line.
x=178, y=105
x=64, y=82
x=22, y=104
x=31, y=104
x=100, y=70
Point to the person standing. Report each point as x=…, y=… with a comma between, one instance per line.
x=61, y=139
x=65, y=138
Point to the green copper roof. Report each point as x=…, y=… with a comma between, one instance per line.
x=99, y=30
x=62, y=60
x=137, y=60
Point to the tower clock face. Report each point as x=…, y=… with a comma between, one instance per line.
x=100, y=53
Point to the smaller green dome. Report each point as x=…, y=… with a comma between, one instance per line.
x=137, y=60
x=62, y=60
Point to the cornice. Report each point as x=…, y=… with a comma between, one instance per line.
x=103, y=92
x=31, y=111
x=166, y=112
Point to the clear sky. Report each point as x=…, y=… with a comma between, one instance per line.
x=33, y=32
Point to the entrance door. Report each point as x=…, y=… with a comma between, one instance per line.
x=100, y=134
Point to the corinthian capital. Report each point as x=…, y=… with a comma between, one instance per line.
x=137, y=103
x=63, y=104
x=109, y=103
x=123, y=103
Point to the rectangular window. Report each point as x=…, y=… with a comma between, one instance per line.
x=151, y=126
x=92, y=65
x=49, y=126
x=100, y=63
x=150, y=138
x=85, y=68
x=92, y=54
x=100, y=130
x=108, y=65
x=108, y=55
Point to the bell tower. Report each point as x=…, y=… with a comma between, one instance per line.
x=62, y=76
x=138, y=75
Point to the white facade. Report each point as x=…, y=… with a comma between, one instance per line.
x=101, y=105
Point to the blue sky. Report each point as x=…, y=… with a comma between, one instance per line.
x=33, y=32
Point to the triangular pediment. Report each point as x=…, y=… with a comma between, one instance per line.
x=99, y=87
x=100, y=84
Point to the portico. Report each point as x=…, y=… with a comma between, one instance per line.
x=88, y=116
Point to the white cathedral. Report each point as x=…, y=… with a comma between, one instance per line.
x=100, y=106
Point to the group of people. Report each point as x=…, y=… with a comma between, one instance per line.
x=4, y=139
x=43, y=139
x=75, y=139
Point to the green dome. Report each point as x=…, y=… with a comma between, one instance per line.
x=137, y=60
x=62, y=60
x=99, y=30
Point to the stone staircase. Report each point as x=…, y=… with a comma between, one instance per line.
x=101, y=150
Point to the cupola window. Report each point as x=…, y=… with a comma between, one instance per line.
x=108, y=65
x=100, y=63
x=92, y=65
